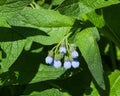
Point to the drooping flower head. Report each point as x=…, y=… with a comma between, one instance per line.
x=63, y=54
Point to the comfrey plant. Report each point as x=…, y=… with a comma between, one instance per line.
x=63, y=54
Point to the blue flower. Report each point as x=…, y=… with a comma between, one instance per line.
x=49, y=59
x=57, y=63
x=62, y=49
x=74, y=54
x=67, y=64
x=75, y=64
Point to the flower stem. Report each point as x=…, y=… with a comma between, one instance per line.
x=64, y=39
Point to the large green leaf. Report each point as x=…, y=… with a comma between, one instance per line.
x=54, y=25
x=86, y=41
x=12, y=45
x=77, y=8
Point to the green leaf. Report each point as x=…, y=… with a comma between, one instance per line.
x=74, y=8
x=8, y=6
x=94, y=91
x=86, y=41
x=40, y=18
x=77, y=8
x=3, y=22
x=55, y=35
x=114, y=79
x=57, y=2
x=12, y=50
x=47, y=73
x=48, y=92
x=96, y=18
x=115, y=83
x=50, y=26
x=29, y=69
x=12, y=45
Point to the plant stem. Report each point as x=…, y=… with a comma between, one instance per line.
x=64, y=39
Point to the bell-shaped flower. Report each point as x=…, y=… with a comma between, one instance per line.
x=49, y=59
x=57, y=64
x=62, y=49
x=74, y=54
x=67, y=64
x=75, y=64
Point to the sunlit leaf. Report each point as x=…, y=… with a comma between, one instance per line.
x=115, y=83
x=8, y=6
x=50, y=25
x=47, y=73
x=86, y=41
x=96, y=18
x=11, y=45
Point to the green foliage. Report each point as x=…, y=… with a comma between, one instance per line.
x=29, y=29
x=115, y=83
x=57, y=2
x=48, y=30
x=86, y=41
x=77, y=8
x=48, y=92
x=114, y=89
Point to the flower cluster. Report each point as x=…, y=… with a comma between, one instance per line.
x=64, y=55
